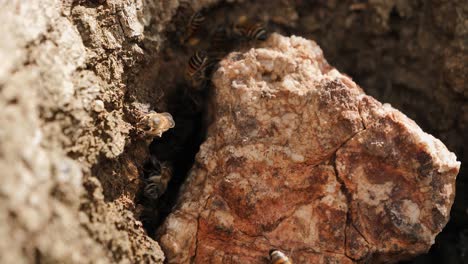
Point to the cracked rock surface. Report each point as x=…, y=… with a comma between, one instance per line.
x=300, y=159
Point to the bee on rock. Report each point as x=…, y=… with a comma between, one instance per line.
x=194, y=24
x=158, y=175
x=278, y=257
x=154, y=124
x=195, y=20
x=249, y=30
x=196, y=71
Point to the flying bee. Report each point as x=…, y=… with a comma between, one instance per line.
x=195, y=22
x=278, y=257
x=158, y=176
x=196, y=71
x=249, y=30
x=155, y=124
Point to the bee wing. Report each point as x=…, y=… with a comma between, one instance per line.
x=169, y=119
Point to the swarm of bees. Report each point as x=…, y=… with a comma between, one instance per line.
x=222, y=40
x=164, y=167
x=278, y=257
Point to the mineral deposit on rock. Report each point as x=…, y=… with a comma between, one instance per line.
x=300, y=159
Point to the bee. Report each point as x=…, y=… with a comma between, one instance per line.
x=278, y=257
x=172, y=144
x=155, y=124
x=249, y=30
x=194, y=23
x=196, y=70
x=158, y=175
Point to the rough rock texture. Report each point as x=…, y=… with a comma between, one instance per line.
x=75, y=73
x=299, y=158
x=63, y=78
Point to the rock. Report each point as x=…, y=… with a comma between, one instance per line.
x=300, y=159
x=63, y=61
x=98, y=106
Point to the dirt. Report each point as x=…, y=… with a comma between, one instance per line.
x=71, y=186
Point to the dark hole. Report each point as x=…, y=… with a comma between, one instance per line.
x=187, y=104
x=178, y=146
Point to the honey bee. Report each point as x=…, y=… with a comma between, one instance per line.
x=278, y=257
x=158, y=176
x=249, y=30
x=194, y=23
x=155, y=124
x=172, y=144
x=190, y=21
x=196, y=70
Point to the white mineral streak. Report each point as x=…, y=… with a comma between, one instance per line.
x=300, y=159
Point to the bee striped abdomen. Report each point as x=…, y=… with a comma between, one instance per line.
x=196, y=20
x=194, y=24
x=197, y=69
x=257, y=32
x=252, y=31
x=278, y=257
x=197, y=63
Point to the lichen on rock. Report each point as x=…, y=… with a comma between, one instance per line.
x=299, y=158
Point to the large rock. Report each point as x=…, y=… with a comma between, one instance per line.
x=299, y=158
x=63, y=78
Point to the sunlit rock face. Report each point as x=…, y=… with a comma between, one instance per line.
x=298, y=158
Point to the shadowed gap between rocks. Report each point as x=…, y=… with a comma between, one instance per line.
x=176, y=147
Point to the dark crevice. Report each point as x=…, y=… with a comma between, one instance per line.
x=186, y=102
x=178, y=146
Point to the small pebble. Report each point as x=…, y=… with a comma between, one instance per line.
x=98, y=106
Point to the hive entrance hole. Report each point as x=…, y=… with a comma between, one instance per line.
x=178, y=146
x=176, y=150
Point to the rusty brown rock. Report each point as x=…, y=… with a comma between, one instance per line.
x=300, y=159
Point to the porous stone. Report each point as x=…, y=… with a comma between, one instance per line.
x=299, y=158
